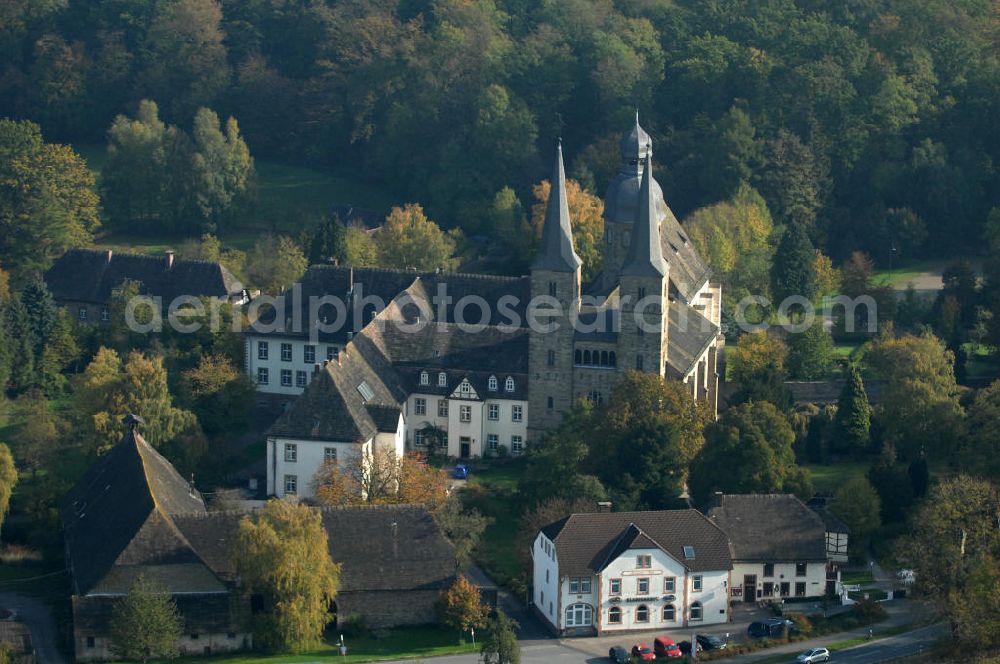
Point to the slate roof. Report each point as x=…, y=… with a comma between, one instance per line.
x=555, y=253
x=689, y=335
x=645, y=253
x=388, y=547
x=586, y=543
x=88, y=275
x=770, y=528
x=119, y=514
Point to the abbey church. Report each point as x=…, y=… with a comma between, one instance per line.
x=411, y=375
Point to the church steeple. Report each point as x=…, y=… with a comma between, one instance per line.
x=556, y=252
x=645, y=255
x=636, y=148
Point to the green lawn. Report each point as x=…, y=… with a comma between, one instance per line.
x=831, y=477
x=289, y=200
x=401, y=643
x=493, y=491
x=860, y=577
x=902, y=274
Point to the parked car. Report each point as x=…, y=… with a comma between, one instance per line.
x=814, y=655
x=685, y=647
x=619, y=655
x=664, y=646
x=771, y=628
x=710, y=642
x=461, y=471
x=643, y=652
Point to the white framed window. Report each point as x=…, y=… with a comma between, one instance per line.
x=291, y=452
x=508, y=385
x=105, y=314
x=579, y=615
x=330, y=454
x=291, y=485
x=642, y=614
x=615, y=586
x=644, y=561
x=262, y=350
x=418, y=437
x=425, y=379
x=669, y=584
x=669, y=613
x=331, y=352
x=286, y=377
x=262, y=376
x=286, y=352
x=516, y=445
x=642, y=586
x=615, y=615
x=492, y=385
x=301, y=378
x=696, y=583
x=574, y=584
x=442, y=408
x=419, y=406
x=516, y=413
x=585, y=585
x=82, y=313
x=442, y=379
x=493, y=411
x=465, y=413
x=492, y=442
x=695, y=611
x=309, y=353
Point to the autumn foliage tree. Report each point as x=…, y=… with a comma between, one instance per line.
x=408, y=239
x=462, y=606
x=586, y=213
x=380, y=477
x=281, y=552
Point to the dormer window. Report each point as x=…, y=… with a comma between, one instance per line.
x=492, y=384
x=442, y=379
x=509, y=384
x=425, y=378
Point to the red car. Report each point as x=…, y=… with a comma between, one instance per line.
x=664, y=646
x=643, y=652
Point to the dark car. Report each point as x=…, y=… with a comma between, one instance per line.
x=643, y=652
x=710, y=642
x=772, y=628
x=461, y=471
x=685, y=647
x=619, y=655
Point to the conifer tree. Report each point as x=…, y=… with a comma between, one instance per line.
x=328, y=241
x=500, y=645
x=793, y=272
x=854, y=415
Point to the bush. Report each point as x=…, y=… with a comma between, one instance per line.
x=868, y=611
x=353, y=625
x=802, y=624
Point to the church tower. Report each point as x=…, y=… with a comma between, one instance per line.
x=555, y=293
x=644, y=289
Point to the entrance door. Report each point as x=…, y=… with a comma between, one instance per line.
x=464, y=447
x=750, y=588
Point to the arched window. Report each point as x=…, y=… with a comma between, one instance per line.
x=492, y=385
x=669, y=614
x=615, y=615
x=579, y=615
x=442, y=379
x=424, y=378
x=578, y=357
x=509, y=384
x=604, y=358
x=642, y=614
x=696, y=611
x=586, y=357
x=612, y=359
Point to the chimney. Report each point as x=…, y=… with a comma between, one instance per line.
x=110, y=252
x=316, y=368
x=604, y=506
x=191, y=489
x=717, y=499
x=170, y=259
x=340, y=359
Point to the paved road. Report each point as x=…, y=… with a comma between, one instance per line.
x=38, y=618
x=885, y=650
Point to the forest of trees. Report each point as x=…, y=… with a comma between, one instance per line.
x=868, y=123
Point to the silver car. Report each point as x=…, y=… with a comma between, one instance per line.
x=814, y=655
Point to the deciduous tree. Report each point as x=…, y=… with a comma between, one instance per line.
x=462, y=606
x=282, y=553
x=8, y=480
x=500, y=645
x=145, y=623
x=275, y=263
x=464, y=528
x=586, y=214
x=810, y=353
x=858, y=505
x=408, y=239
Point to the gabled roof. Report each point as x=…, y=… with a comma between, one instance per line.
x=90, y=275
x=770, y=528
x=586, y=543
x=391, y=547
x=689, y=336
x=119, y=514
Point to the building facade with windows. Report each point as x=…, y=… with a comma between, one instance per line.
x=606, y=573
x=779, y=547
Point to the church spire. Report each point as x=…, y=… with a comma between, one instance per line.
x=645, y=255
x=556, y=251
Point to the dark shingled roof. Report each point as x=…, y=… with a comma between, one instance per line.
x=689, y=335
x=392, y=547
x=87, y=275
x=119, y=514
x=586, y=543
x=770, y=528
x=645, y=255
x=555, y=253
